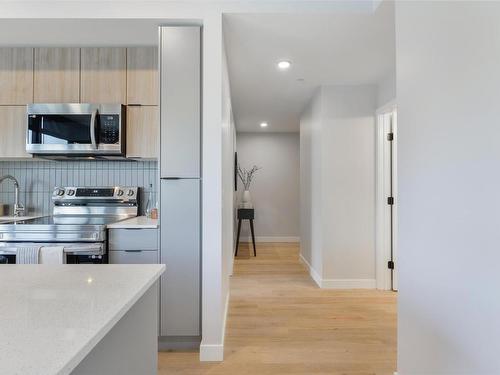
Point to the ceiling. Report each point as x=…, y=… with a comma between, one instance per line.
x=79, y=32
x=325, y=49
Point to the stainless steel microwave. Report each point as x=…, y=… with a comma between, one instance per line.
x=76, y=129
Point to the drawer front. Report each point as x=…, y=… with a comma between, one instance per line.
x=133, y=257
x=133, y=239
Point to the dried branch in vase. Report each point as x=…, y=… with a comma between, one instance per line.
x=246, y=176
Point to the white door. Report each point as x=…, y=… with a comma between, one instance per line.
x=393, y=193
x=387, y=200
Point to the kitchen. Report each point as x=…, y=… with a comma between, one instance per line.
x=83, y=179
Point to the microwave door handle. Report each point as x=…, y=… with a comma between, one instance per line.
x=93, y=119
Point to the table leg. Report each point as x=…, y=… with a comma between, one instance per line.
x=253, y=238
x=238, y=238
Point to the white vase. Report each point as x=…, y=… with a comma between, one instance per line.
x=246, y=199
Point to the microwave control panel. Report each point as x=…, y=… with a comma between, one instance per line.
x=109, y=129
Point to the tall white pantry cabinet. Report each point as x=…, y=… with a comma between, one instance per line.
x=180, y=182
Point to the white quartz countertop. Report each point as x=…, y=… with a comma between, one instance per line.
x=51, y=316
x=138, y=222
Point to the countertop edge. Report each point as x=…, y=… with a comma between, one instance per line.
x=139, y=222
x=88, y=346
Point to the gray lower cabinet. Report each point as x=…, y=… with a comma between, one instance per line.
x=133, y=257
x=180, y=252
x=133, y=239
x=133, y=246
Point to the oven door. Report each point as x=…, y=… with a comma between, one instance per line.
x=75, y=129
x=75, y=252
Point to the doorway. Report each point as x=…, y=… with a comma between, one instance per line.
x=387, y=199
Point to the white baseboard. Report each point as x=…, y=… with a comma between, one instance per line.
x=226, y=309
x=215, y=353
x=211, y=353
x=338, y=283
x=349, y=283
x=312, y=272
x=271, y=239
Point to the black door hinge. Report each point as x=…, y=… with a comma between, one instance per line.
x=390, y=265
x=390, y=136
x=390, y=201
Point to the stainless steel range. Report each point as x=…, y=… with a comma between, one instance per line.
x=79, y=220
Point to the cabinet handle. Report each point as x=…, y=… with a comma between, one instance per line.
x=133, y=251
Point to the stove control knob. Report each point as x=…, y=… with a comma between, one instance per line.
x=71, y=192
x=130, y=193
x=119, y=192
x=59, y=192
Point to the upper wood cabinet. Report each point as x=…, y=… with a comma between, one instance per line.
x=13, y=132
x=103, y=75
x=142, y=75
x=57, y=75
x=16, y=76
x=143, y=132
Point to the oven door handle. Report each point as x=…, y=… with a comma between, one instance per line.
x=91, y=247
x=93, y=120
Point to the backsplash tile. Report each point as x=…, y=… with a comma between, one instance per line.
x=37, y=179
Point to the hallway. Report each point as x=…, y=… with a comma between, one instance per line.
x=280, y=322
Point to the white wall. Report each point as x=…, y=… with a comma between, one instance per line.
x=348, y=138
x=228, y=148
x=311, y=214
x=386, y=90
x=275, y=188
x=338, y=186
x=448, y=58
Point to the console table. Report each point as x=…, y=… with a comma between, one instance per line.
x=245, y=214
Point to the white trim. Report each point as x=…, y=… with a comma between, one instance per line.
x=312, y=272
x=388, y=107
x=337, y=283
x=348, y=283
x=382, y=210
x=271, y=239
x=382, y=245
x=211, y=353
x=226, y=309
x=215, y=353
x=396, y=200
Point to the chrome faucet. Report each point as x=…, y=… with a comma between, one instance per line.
x=18, y=207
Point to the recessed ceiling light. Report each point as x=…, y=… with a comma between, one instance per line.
x=284, y=64
x=263, y=124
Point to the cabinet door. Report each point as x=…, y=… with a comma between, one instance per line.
x=142, y=75
x=180, y=102
x=57, y=75
x=133, y=257
x=13, y=132
x=103, y=75
x=16, y=76
x=180, y=251
x=133, y=239
x=143, y=129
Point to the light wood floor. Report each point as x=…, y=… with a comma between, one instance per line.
x=280, y=322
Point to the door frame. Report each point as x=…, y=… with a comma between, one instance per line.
x=382, y=209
